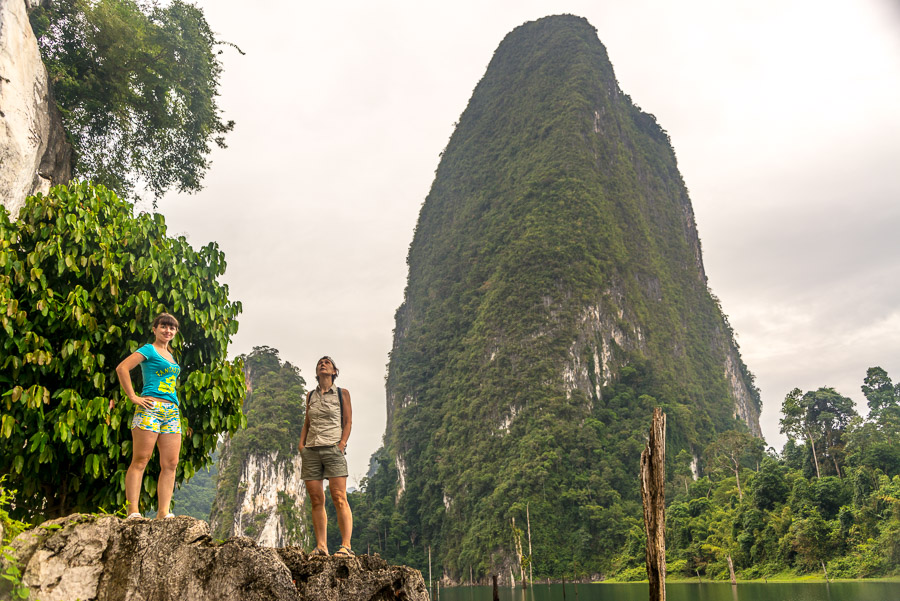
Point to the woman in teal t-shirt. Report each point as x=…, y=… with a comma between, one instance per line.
x=157, y=422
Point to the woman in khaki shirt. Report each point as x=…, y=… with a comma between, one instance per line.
x=323, y=444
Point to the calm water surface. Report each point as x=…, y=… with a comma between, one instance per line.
x=687, y=591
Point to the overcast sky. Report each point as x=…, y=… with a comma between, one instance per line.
x=784, y=114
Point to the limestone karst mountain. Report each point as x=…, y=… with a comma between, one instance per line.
x=556, y=294
x=259, y=493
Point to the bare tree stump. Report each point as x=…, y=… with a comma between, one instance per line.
x=653, y=478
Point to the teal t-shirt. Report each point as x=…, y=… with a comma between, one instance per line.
x=159, y=375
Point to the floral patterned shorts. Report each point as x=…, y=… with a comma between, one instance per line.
x=162, y=418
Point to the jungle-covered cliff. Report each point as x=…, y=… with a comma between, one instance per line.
x=556, y=294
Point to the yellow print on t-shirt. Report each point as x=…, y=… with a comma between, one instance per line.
x=168, y=385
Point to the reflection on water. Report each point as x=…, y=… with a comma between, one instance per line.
x=686, y=591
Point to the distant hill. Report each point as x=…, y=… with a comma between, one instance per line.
x=556, y=294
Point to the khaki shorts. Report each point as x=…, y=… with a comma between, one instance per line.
x=320, y=463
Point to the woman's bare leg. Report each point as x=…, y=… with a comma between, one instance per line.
x=169, y=450
x=142, y=443
x=316, y=490
x=338, y=489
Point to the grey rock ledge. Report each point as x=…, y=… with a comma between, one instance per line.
x=104, y=558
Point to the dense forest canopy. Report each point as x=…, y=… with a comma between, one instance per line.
x=769, y=513
x=137, y=84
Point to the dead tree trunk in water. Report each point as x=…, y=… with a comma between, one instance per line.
x=530, y=554
x=731, y=569
x=653, y=478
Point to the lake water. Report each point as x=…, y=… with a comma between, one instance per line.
x=687, y=591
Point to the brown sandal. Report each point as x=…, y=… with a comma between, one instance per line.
x=319, y=551
x=344, y=552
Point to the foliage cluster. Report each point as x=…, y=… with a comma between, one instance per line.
x=136, y=83
x=770, y=513
x=81, y=279
x=275, y=408
x=845, y=521
x=557, y=231
x=11, y=583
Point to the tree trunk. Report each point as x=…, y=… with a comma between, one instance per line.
x=653, y=494
x=824, y=570
x=731, y=569
x=836, y=468
x=518, y=541
x=530, y=554
x=815, y=458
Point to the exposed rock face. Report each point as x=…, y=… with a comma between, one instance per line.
x=34, y=154
x=270, y=489
x=108, y=559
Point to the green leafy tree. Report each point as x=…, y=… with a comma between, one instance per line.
x=683, y=472
x=727, y=452
x=769, y=487
x=796, y=422
x=873, y=441
x=813, y=539
x=136, y=83
x=883, y=398
x=819, y=416
x=81, y=278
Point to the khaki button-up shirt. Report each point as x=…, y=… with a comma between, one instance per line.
x=324, y=413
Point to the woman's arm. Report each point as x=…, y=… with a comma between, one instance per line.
x=123, y=370
x=347, y=422
x=304, y=431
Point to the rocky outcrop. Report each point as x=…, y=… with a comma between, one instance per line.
x=104, y=558
x=744, y=406
x=34, y=154
x=269, y=501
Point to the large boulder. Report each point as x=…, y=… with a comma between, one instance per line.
x=34, y=154
x=104, y=558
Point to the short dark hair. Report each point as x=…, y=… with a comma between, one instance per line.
x=333, y=364
x=166, y=319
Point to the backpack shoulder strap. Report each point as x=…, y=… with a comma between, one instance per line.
x=341, y=403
